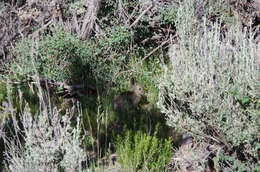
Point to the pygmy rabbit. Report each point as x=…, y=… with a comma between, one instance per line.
x=128, y=98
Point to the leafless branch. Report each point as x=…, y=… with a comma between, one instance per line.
x=90, y=18
x=140, y=16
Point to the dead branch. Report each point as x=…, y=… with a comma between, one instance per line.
x=140, y=16
x=66, y=90
x=154, y=50
x=93, y=7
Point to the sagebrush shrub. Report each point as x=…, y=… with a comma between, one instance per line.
x=49, y=144
x=212, y=85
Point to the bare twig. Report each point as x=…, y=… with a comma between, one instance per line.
x=154, y=50
x=36, y=33
x=76, y=23
x=122, y=72
x=132, y=14
x=140, y=16
x=122, y=12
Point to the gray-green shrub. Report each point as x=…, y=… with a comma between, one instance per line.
x=50, y=144
x=212, y=84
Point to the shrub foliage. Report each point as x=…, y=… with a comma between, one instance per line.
x=140, y=151
x=47, y=142
x=212, y=86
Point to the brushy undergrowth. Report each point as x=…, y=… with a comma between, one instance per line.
x=138, y=151
x=211, y=87
x=234, y=164
x=64, y=57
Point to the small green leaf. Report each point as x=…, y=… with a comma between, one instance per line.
x=245, y=100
